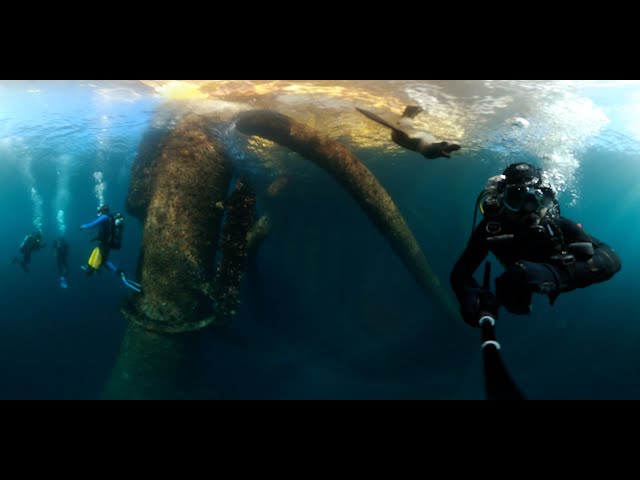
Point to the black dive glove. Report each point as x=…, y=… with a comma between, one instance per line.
x=476, y=300
x=515, y=286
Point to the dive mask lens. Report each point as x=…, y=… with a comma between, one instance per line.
x=514, y=196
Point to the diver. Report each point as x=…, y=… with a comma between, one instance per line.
x=110, y=228
x=31, y=243
x=541, y=251
x=407, y=136
x=61, y=251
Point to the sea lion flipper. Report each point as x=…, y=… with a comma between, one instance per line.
x=377, y=118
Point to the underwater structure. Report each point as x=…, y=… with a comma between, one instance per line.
x=197, y=237
x=339, y=162
x=178, y=191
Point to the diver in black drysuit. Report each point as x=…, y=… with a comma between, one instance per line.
x=542, y=252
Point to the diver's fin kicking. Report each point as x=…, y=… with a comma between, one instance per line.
x=63, y=282
x=95, y=260
x=89, y=270
x=378, y=119
x=130, y=283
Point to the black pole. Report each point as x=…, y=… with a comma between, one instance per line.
x=498, y=382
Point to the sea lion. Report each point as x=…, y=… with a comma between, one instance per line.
x=405, y=135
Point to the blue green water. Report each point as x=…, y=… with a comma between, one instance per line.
x=328, y=309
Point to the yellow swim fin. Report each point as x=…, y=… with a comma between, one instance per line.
x=95, y=260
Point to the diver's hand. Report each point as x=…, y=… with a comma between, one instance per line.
x=477, y=300
x=514, y=288
x=469, y=306
x=442, y=149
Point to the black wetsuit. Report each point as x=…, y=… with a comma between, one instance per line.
x=62, y=254
x=30, y=244
x=557, y=242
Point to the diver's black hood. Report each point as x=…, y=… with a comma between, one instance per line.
x=521, y=173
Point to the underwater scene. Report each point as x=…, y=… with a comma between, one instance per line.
x=319, y=239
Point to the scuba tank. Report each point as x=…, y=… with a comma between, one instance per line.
x=117, y=229
x=488, y=202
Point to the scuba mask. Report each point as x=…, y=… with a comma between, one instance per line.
x=523, y=196
x=527, y=198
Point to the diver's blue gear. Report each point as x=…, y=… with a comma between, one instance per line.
x=95, y=223
x=63, y=282
x=89, y=270
x=130, y=283
x=110, y=230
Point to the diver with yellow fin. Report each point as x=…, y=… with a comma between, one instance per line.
x=407, y=136
x=110, y=229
